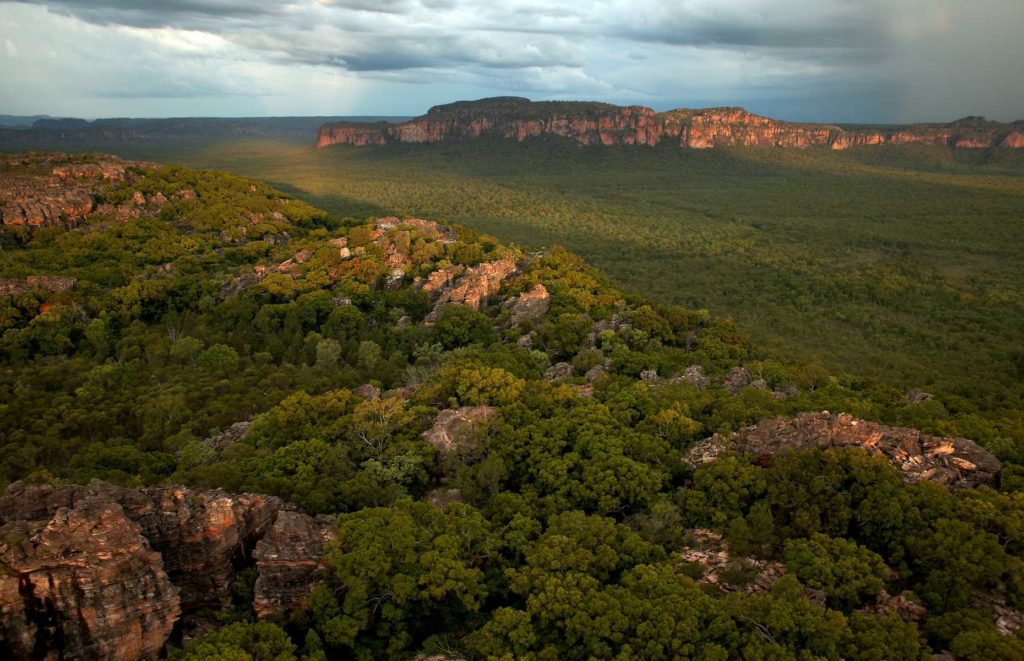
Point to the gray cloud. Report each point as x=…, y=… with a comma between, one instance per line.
x=870, y=60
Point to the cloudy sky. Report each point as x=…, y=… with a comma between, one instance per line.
x=829, y=60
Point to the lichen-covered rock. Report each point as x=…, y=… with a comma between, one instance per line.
x=51, y=283
x=454, y=428
x=558, y=371
x=82, y=583
x=290, y=562
x=693, y=374
x=529, y=306
x=919, y=456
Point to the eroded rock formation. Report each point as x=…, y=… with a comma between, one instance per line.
x=290, y=558
x=59, y=190
x=919, y=456
x=82, y=582
x=471, y=288
x=516, y=118
x=102, y=571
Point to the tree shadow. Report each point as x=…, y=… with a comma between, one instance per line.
x=336, y=205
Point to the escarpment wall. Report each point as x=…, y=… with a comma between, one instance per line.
x=514, y=118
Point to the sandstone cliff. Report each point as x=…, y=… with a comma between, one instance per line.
x=600, y=123
x=82, y=583
x=102, y=571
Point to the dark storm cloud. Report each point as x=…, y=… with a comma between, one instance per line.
x=386, y=35
x=823, y=25
x=873, y=60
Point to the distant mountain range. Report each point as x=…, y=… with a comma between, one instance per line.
x=25, y=131
x=601, y=123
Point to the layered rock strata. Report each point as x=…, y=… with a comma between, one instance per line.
x=514, y=118
x=102, y=571
x=290, y=559
x=83, y=582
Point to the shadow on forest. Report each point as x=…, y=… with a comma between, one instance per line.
x=336, y=205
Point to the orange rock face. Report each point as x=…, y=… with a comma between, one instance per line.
x=595, y=123
x=83, y=583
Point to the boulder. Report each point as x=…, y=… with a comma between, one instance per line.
x=736, y=378
x=558, y=371
x=529, y=306
x=454, y=429
x=693, y=374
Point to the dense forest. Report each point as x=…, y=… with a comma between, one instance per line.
x=563, y=523
x=902, y=264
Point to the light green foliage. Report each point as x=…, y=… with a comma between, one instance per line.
x=262, y=641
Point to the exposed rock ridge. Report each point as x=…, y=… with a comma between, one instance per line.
x=600, y=123
x=59, y=190
x=102, y=571
x=949, y=461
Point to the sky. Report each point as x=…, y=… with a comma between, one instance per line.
x=881, y=61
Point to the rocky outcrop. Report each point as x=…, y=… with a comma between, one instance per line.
x=290, y=559
x=198, y=533
x=507, y=117
x=50, y=283
x=558, y=371
x=102, y=571
x=454, y=428
x=61, y=190
x=529, y=306
x=516, y=118
x=82, y=583
x=472, y=288
x=714, y=562
x=951, y=461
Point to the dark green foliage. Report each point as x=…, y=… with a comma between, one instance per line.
x=575, y=499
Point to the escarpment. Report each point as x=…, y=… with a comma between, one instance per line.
x=102, y=571
x=517, y=119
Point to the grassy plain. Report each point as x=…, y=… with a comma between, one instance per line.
x=904, y=264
